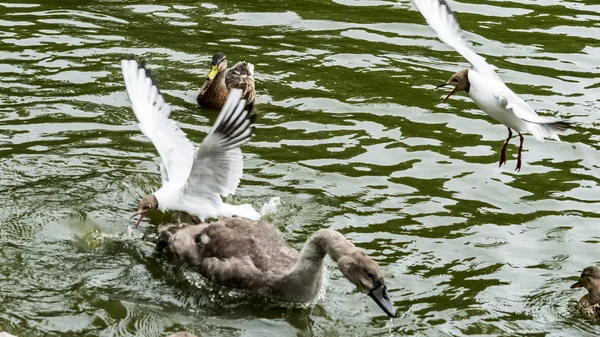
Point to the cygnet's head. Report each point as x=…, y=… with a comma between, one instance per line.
x=365, y=274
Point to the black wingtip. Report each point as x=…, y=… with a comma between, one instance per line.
x=249, y=107
x=252, y=118
x=445, y=4
x=561, y=125
x=142, y=65
x=252, y=115
x=233, y=129
x=128, y=57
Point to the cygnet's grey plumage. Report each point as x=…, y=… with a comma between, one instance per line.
x=252, y=256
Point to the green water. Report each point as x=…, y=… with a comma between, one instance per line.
x=352, y=136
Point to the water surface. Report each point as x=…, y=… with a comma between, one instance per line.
x=352, y=136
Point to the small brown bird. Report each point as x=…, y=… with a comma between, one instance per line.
x=220, y=80
x=589, y=304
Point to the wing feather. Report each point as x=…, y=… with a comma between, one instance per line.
x=152, y=112
x=218, y=161
x=439, y=16
x=540, y=127
x=520, y=108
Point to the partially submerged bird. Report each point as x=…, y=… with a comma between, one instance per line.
x=221, y=80
x=193, y=178
x=589, y=304
x=252, y=257
x=484, y=86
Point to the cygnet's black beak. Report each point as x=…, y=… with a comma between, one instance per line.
x=380, y=296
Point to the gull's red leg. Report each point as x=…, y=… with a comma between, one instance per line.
x=503, y=153
x=519, y=156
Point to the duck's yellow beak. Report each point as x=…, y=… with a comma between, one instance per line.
x=214, y=70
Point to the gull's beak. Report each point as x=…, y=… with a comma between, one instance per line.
x=213, y=72
x=450, y=94
x=577, y=285
x=141, y=214
x=380, y=296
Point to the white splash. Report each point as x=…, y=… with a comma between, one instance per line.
x=270, y=207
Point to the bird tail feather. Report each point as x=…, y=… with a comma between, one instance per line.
x=548, y=130
x=244, y=211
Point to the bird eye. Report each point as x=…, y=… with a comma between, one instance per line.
x=457, y=80
x=147, y=207
x=370, y=275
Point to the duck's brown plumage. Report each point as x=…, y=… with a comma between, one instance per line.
x=252, y=256
x=214, y=92
x=589, y=308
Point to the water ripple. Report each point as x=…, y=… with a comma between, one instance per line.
x=352, y=136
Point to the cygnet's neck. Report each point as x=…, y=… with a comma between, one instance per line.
x=307, y=274
x=325, y=242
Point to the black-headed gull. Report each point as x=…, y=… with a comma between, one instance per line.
x=194, y=178
x=484, y=86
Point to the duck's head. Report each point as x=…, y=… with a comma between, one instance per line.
x=589, y=279
x=460, y=81
x=365, y=274
x=147, y=204
x=219, y=63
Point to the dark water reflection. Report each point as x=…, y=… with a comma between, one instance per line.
x=352, y=137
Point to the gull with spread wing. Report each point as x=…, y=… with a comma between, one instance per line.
x=483, y=84
x=194, y=178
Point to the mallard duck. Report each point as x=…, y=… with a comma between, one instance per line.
x=252, y=257
x=590, y=303
x=220, y=80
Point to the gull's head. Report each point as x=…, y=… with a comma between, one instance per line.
x=460, y=81
x=147, y=204
x=219, y=63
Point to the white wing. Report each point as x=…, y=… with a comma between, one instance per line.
x=540, y=127
x=153, y=113
x=218, y=161
x=163, y=173
x=439, y=17
x=520, y=108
